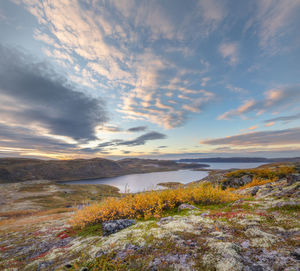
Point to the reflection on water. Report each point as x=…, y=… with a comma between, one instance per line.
x=147, y=181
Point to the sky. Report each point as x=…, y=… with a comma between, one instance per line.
x=149, y=78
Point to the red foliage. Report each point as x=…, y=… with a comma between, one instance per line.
x=228, y=214
x=237, y=213
x=40, y=256
x=3, y=248
x=62, y=235
x=12, y=264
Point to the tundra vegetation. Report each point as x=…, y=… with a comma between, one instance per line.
x=223, y=229
x=151, y=204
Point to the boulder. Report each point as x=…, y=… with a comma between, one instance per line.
x=292, y=178
x=246, y=179
x=114, y=226
x=44, y=265
x=185, y=206
x=286, y=204
x=254, y=191
x=296, y=253
x=237, y=182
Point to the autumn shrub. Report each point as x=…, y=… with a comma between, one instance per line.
x=263, y=173
x=150, y=204
x=256, y=181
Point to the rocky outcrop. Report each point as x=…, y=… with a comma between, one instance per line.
x=254, y=191
x=185, y=206
x=292, y=178
x=114, y=226
x=236, y=182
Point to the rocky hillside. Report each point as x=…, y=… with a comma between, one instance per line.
x=260, y=231
x=17, y=170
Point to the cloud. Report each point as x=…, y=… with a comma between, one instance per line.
x=279, y=99
x=110, y=129
x=35, y=97
x=116, y=41
x=141, y=140
x=274, y=20
x=269, y=124
x=264, y=138
x=284, y=118
x=244, y=108
x=229, y=51
x=3, y=18
x=204, y=81
x=236, y=89
x=213, y=12
x=253, y=127
x=137, y=129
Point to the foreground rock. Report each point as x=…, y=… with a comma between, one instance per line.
x=185, y=206
x=114, y=226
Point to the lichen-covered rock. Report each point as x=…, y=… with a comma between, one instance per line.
x=114, y=226
x=236, y=182
x=223, y=256
x=185, y=206
x=296, y=253
x=260, y=238
x=254, y=190
x=292, y=178
x=287, y=203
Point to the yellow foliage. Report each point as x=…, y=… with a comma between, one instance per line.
x=256, y=182
x=151, y=204
x=263, y=173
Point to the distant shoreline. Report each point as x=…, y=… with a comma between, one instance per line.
x=238, y=160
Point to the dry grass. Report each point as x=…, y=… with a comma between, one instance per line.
x=151, y=204
x=24, y=217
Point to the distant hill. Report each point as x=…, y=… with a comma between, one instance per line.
x=239, y=160
x=23, y=169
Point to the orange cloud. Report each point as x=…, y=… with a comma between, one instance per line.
x=269, y=124
x=253, y=127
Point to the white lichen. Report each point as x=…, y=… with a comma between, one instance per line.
x=260, y=238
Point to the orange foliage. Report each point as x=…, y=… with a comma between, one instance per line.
x=256, y=182
x=150, y=204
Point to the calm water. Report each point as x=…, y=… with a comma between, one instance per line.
x=233, y=165
x=148, y=181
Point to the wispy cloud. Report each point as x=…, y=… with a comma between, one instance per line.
x=140, y=140
x=266, y=138
x=229, y=51
x=269, y=124
x=279, y=99
x=113, y=48
x=273, y=22
x=284, y=118
x=254, y=127
x=236, y=89
x=137, y=129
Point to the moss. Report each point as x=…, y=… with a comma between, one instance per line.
x=90, y=230
x=289, y=209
